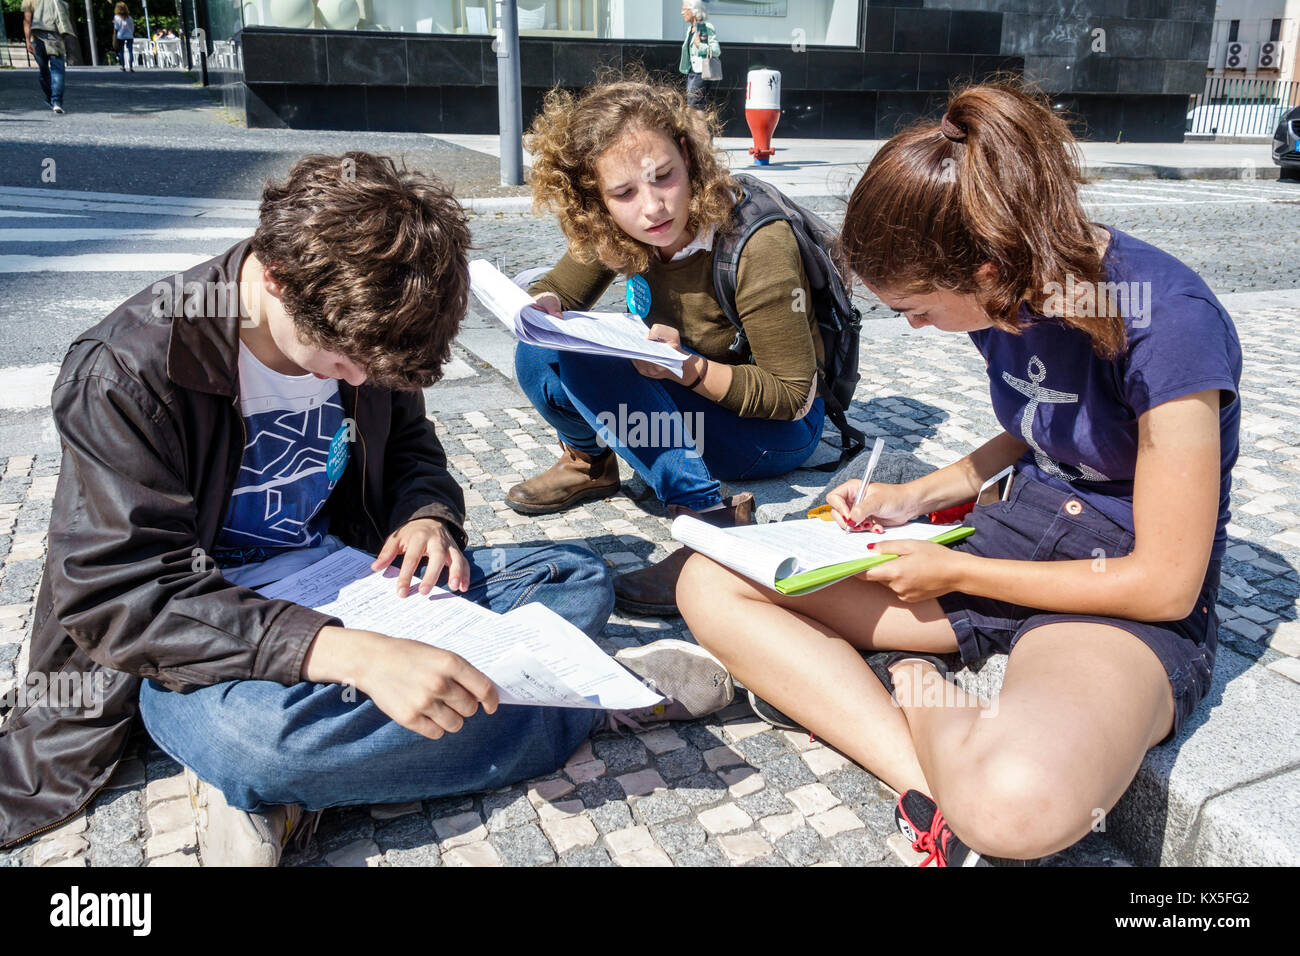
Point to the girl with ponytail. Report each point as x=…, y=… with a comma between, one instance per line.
x=1113, y=371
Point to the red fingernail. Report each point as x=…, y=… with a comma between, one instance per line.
x=871, y=546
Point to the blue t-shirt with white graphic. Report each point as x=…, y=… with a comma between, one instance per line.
x=1078, y=413
x=295, y=453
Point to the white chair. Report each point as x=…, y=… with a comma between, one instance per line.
x=169, y=52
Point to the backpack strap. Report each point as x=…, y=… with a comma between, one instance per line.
x=755, y=209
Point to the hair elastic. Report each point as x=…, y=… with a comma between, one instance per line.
x=951, y=130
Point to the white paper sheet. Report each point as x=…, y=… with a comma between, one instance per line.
x=750, y=558
x=768, y=552
x=533, y=655
x=614, y=334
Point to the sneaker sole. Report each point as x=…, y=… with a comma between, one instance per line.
x=520, y=507
x=225, y=836
x=766, y=716
x=701, y=659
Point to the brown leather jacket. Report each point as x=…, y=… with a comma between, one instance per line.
x=147, y=410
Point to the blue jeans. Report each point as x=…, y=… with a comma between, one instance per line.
x=697, y=92
x=52, y=70
x=264, y=744
x=127, y=53
x=686, y=442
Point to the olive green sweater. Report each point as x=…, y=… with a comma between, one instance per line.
x=772, y=299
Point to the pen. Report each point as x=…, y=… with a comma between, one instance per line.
x=866, y=476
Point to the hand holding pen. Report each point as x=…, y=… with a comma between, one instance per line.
x=860, y=505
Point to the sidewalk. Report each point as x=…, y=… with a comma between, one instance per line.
x=831, y=167
x=728, y=790
x=158, y=158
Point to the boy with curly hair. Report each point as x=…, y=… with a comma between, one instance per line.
x=226, y=428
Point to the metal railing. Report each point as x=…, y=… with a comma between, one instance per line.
x=14, y=53
x=1232, y=106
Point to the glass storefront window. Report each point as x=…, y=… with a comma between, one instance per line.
x=810, y=22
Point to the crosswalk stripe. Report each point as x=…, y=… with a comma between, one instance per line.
x=130, y=198
x=1109, y=191
x=35, y=214
x=161, y=263
x=87, y=235
x=1176, y=192
x=24, y=387
x=146, y=209
x=27, y=386
x=1093, y=203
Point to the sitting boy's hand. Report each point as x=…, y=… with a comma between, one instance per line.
x=420, y=539
x=425, y=689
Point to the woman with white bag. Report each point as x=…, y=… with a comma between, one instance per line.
x=701, y=54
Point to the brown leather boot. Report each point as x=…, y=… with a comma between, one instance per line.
x=575, y=477
x=653, y=590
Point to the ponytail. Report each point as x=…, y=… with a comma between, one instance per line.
x=995, y=181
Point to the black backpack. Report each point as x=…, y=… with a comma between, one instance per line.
x=837, y=319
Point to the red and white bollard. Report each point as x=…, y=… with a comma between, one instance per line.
x=762, y=112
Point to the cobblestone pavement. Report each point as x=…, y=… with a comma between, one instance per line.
x=727, y=790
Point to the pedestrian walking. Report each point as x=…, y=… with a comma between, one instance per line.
x=124, y=35
x=44, y=24
x=701, y=54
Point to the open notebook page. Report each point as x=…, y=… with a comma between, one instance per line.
x=769, y=552
x=814, y=543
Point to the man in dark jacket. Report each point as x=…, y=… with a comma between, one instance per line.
x=233, y=424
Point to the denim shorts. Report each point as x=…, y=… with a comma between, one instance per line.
x=1040, y=523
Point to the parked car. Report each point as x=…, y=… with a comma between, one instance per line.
x=1286, y=144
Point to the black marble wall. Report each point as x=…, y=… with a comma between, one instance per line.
x=1132, y=85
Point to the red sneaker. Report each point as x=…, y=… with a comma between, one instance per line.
x=920, y=820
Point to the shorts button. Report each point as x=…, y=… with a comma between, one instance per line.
x=1073, y=507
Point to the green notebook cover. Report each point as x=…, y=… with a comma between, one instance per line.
x=807, y=581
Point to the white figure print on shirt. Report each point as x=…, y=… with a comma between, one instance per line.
x=1037, y=394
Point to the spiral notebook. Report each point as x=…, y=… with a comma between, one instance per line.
x=799, y=557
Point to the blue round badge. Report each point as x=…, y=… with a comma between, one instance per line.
x=339, y=449
x=638, y=296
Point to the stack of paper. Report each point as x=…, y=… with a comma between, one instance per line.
x=533, y=655
x=594, y=333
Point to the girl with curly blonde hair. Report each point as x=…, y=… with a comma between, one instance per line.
x=631, y=174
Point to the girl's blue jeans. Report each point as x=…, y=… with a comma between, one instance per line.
x=680, y=443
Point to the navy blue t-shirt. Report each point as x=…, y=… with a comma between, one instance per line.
x=1079, y=413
